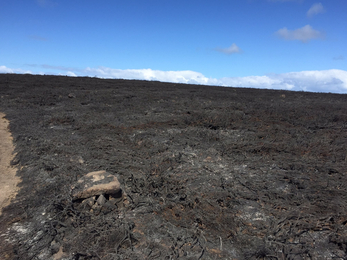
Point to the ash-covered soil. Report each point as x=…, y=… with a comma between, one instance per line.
x=208, y=172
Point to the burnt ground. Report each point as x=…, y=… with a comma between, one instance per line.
x=208, y=172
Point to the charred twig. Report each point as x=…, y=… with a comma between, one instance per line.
x=202, y=253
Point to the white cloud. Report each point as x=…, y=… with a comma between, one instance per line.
x=71, y=74
x=4, y=69
x=185, y=76
x=230, y=50
x=334, y=80
x=316, y=8
x=303, y=34
x=316, y=81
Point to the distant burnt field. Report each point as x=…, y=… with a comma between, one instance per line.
x=206, y=172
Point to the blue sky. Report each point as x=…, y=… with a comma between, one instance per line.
x=278, y=44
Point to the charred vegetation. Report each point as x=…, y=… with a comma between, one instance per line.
x=208, y=172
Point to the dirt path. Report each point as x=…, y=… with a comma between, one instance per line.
x=8, y=178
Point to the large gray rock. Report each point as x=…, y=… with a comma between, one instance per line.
x=96, y=183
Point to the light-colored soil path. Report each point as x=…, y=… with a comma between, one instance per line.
x=8, y=178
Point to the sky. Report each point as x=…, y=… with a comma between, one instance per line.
x=274, y=44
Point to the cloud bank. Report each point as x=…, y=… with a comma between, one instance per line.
x=315, y=9
x=4, y=69
x=334, y=80
x=304, y=34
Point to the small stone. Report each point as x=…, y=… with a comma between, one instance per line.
x=208, y=159
x=96, y=183
x=110, y=205
x=89, y=202
x=101, y=200
x=96, y=206
x=71, y=95
x=55, y=247
x=126, y=202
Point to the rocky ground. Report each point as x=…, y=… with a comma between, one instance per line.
x=206, y=172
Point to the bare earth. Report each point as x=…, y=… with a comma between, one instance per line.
x=8, y=178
